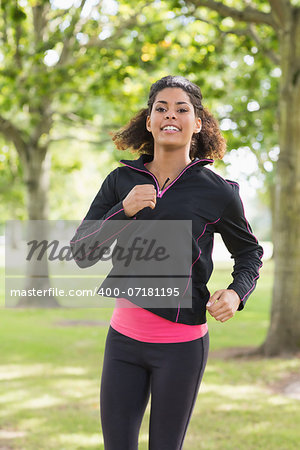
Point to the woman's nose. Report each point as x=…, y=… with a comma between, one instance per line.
x=170, y=114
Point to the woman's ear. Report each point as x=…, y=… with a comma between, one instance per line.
x=148, y=123
x=198, y=125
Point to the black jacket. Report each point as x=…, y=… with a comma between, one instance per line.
x=198, y=194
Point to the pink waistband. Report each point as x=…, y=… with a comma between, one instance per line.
x=145, y=326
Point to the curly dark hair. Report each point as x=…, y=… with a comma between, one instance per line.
x=209, y=143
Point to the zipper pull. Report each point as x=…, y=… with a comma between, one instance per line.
x=160, y=191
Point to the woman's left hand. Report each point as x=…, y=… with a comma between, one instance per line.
x=223, y=304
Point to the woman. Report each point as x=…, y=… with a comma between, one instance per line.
x=163, y=351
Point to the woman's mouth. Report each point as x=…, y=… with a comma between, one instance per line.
x=170, y=129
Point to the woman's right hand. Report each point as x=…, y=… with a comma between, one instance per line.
x=140, y=196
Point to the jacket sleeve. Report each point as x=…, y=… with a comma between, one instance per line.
x=237, y=235
x=100, y=227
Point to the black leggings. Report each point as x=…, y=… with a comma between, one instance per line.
x=132, y=369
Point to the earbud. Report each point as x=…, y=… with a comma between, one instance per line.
x=200, y=128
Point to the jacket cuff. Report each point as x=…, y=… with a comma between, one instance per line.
x=117, y=212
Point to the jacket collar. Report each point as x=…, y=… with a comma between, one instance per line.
x=139, y=163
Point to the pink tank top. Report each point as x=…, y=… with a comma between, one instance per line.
x=138, y=323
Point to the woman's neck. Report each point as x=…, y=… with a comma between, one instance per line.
x=168, y=164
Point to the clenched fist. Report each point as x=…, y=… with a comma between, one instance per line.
x=223, y=304
x=140, y=196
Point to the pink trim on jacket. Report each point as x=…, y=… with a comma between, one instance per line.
x=98, y=229
x=108, y=239
x=208, y=223
x=178, y=176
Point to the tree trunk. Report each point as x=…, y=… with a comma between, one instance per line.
x=272, y=206
x=284, y=332
x=37, y=174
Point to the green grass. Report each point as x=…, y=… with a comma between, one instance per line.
x=50, y=381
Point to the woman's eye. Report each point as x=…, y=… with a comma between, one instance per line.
x=160, y=109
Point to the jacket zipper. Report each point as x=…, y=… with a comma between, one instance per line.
x=160, y=192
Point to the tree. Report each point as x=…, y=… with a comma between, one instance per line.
x=283, y=19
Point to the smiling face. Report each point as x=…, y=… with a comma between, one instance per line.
x=172, y=121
